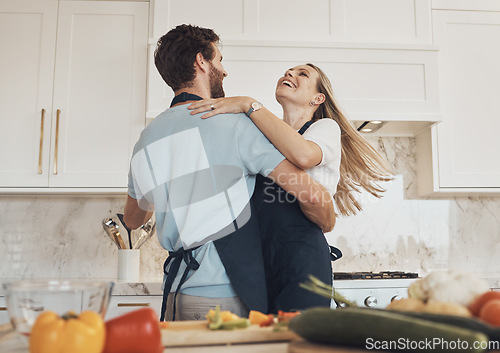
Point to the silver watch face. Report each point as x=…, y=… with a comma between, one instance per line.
x=256, y=106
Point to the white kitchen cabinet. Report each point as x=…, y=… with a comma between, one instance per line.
x=377, y=53
x=460, y=154
x=27, y=37
x=466, y=5
x=73, y=91
x=362, y=21
x=4, y=317
x=122, y=304
x=369, y=83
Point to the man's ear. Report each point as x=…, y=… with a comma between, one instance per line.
x=201, y=62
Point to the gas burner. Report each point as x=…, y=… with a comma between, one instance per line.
x=374, y=275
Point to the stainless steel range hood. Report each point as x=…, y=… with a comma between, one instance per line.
x=392, y=128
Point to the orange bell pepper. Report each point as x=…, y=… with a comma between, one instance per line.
x=261, y=319
x=52, y=333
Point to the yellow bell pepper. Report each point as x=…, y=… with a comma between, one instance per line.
x=225, y=315
x=70, y=333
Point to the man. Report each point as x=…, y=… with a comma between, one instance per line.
x=200, y=176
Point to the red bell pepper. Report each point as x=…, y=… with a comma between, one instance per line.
x=284, y=316
x=134, y=332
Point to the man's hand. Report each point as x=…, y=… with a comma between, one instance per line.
x=324, y=221
x=137, y=212
x=314, y=200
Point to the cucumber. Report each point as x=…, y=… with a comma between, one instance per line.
x=383, y=329
x=233, y=324
x=459, y=321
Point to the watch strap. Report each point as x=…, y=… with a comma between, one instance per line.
x=250, y=111
x=253, y=107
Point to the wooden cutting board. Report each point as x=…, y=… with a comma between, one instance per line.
x=196, y=333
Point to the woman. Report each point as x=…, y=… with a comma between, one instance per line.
x=315, y=136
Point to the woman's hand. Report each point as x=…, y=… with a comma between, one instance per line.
x=216, y=106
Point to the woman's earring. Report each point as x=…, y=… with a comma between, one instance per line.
x=312, y=103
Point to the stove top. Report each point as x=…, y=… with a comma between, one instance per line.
x=373, y=275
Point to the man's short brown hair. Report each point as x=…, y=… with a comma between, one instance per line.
x=176, y=52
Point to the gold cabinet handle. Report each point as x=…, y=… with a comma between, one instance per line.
x=3, y=308
x=133, y=304
x=56, y=145
x=42, y=123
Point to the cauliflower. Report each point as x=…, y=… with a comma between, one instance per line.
x=446, y=308
x=432, y=306
x=407, y=304
x=448, y=286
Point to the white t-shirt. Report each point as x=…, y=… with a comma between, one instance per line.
x=326, y=134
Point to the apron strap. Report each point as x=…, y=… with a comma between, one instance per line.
x=183, y=97
x=176, y=258
x=335, y=253
x=305, y=127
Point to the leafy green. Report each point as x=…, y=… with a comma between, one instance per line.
x=317, y=286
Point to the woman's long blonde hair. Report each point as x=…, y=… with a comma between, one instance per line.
x=361, y=167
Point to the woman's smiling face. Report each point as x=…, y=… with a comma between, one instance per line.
x=299, y=84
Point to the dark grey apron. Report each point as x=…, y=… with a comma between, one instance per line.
x=293, y=248
x=240, y=253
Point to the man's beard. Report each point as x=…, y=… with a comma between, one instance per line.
x=216, y=77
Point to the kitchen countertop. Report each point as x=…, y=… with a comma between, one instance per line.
x=154, y=287
x=145, y=287
x=137, y=288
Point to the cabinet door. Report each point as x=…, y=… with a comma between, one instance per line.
x=100, y=91
x=467, y=139
x=122, y=304
x=27, y=41
x=4, y=317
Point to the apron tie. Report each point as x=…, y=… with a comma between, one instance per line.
x=335, y=253
x=176, y=258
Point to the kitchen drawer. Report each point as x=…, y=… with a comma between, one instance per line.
x=121, y=304
x=4, y=317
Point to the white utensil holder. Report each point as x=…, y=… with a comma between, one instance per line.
x=129, y=264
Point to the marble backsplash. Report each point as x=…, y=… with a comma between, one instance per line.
x=404, y=232
x=62, y=237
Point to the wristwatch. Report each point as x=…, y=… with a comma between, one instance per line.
x=254, y=107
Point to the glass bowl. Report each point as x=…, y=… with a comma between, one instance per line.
x=26, y=299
